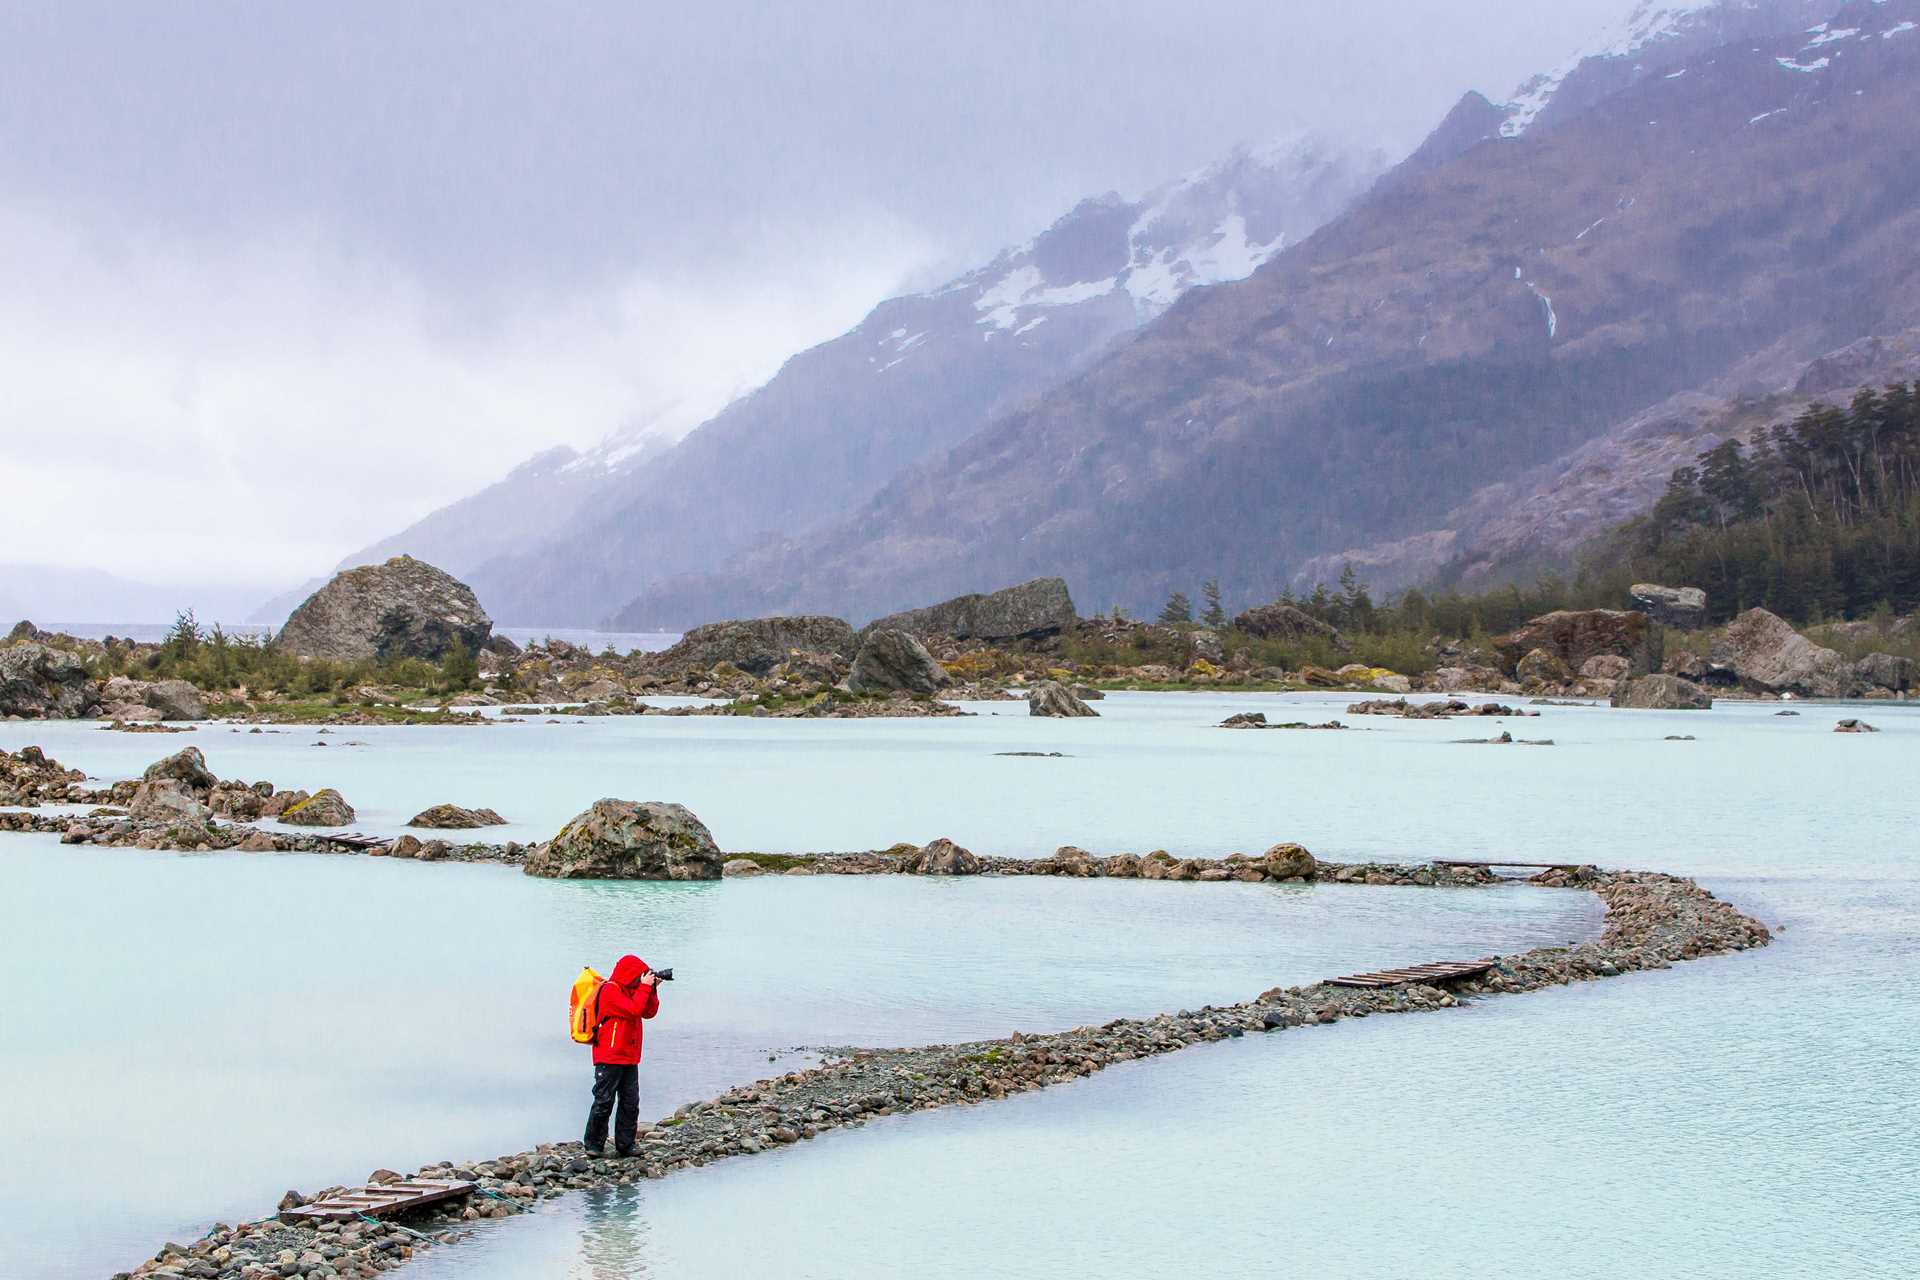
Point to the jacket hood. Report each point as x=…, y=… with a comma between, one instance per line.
x=629, y=971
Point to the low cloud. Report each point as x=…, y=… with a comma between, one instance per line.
x=184, y=410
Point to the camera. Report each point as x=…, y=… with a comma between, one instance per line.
x=665, y=975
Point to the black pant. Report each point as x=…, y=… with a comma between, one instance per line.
x=614, y=1084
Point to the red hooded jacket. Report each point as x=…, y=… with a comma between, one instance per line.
x=623, y=1000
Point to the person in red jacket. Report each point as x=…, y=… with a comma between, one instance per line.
x=632, y=993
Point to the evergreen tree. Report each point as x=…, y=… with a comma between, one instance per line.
x=1213, y=615
x=1177, y=608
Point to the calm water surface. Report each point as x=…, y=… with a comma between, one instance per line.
x=1739, y=1116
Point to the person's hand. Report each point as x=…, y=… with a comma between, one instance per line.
x=650, y=978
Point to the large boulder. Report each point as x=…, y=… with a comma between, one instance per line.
x=1765, y=654
x=1661, y=693
x=893, y=660
x=1885, y=671
x=42, y=683
x=755, y=645
x=324, y=808
x=629, y=840
x=943, y=857
x=1282, y=622
x=404, y=608
x=1574, y=635
x=1684, y=607
x=1290, y=861
x=1033, y=609
x=168, y=800
x=451, y=817
x=186, y=766
x=176, y=700
x=1051, y=698
x=1541, y=669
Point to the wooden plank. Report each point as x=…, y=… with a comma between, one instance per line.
x=1472, y=862
x=1440, y=971
x=380, y=1200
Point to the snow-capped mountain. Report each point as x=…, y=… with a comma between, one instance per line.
x=565, y=539
x=1654, y=37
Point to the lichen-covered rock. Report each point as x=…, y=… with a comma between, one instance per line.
x=629, y=840
x=1684, y=607
x=1662, y=693
x=1285, y=623
x=943, y=857
x=1607, y=666
x=324, y=808
x=186, y=766
x=891, y=661
x=1287, y=861
x=452, y=817
x=42, y=683
x=404, y=608
x=754, y=645
x=1574, y=635
x=1764, y=653
x=1051, y=698
x=1041, y=607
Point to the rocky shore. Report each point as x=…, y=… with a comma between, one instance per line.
x=1652, y=922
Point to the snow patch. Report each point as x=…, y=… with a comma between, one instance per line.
x=1818, y=64
x=1025, y=287
x=1896, y=30
x=1828, y=37
x=1764, y=114
x=1649, y=23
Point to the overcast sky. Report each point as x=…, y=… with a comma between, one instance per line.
x=280, y=279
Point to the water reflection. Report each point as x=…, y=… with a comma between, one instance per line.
x=614, y=1233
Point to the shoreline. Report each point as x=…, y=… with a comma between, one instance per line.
x=1652, y=921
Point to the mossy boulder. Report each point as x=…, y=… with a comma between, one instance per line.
x=630, y=840
x=324, y=808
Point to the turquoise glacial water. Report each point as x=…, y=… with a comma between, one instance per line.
x=295, y=1020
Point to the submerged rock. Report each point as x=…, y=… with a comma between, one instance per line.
x=1662, y=693
x=629, y=840
x=1051, y=698
x=892, y=661
x=404, y=608
x=1032, y=609
x=447, y=817
x=1854, y=726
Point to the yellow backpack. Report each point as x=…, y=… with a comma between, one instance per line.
x=581, y=1005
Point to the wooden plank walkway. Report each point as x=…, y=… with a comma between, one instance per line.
x=354, y=840
x=1472, y=862
x=1444, y=971
x=379, y=1200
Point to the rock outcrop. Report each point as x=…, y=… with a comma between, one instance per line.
x=1684, y=607
x=1886, y=671
x=1033, y=609
x=451, y=817
x=404, y=608
x=1051, y=698
x=755, y=645
x=629, y=840
x=1661, y=693
x=42, y=683
x=125, y=699
x=1282, y=622
x=893, y=661
x=170, y=801
x=324, y=808
x=1575, y=635
x=1765, y=654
